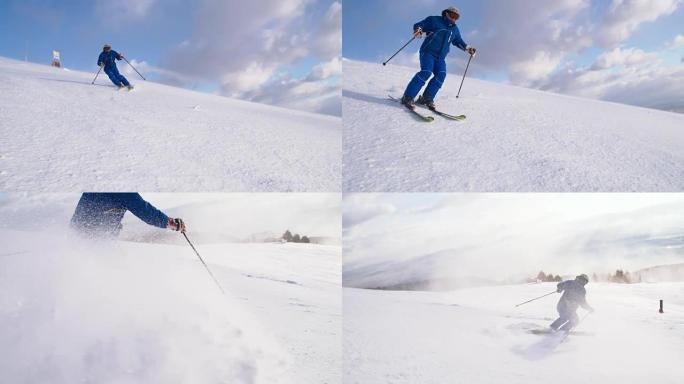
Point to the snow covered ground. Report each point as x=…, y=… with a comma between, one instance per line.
x=514, y=139
x=60, y=133
x=476, y=335
x=73, y=311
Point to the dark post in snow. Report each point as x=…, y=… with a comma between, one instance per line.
x=661, y=306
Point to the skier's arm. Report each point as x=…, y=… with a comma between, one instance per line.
x=117, y=55
x=100, y=61
x=144, y=210
x=560, y=287
x=458, y=40
x=425, y=25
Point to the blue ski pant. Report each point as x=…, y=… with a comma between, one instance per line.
x=429, y=65
x=567, y=319
x=116, y=78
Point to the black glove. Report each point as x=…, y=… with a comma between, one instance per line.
x=471, y=50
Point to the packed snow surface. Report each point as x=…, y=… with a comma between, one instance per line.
x=60, y=133
x=80, y=311
x=477, y=335
x=514, y=139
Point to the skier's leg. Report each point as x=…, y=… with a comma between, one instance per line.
x=558, y=323
x=416, y=84
x=573, y=320
x=121, y=78
x=113, y=76
x=439, y=71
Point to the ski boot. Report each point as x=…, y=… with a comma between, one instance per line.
x=426, y=101
x=408, y=102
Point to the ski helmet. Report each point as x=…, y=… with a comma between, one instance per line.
x=107, y=46
x=452, y=10
x=583, y=277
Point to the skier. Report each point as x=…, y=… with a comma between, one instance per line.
x=99, y=215
x=574, y=296
x=441, y=32
x=106, y=61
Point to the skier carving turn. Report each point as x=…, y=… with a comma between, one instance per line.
x=574, y=296
x=107, y=61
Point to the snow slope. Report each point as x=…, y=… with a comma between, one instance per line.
x=127, y=312
x=514, y=139
x=476, y=335
x=60, y=133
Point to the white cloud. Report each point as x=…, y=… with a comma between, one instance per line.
x=626, y=16
x=677, y=42
x=624, y=75
x=123, y=10
x=516, y=233
x=359, y=208
x=536, y=43
x=326, y=70
x=248, y=46
x=619, y=56
x=328, y=41
x=538, y=67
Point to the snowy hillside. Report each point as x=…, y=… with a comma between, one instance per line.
x=514, y=139
x=122, y=312
x=477, y=336
x=59, y=132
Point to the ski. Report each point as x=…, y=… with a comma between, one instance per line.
x=419, y=115
x=444, y=114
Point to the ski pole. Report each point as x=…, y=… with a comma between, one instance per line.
x=143, y=77
x=464, y=74
x=536, y=298
x=395, y=53
x=205, y=264
x=96, y=75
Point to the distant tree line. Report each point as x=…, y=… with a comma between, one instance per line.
x=620, y=276
x=543, y=277
x=296, y=238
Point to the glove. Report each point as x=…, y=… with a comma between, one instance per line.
x=176, y=224
x=471, y=50
x=418, y=33
x=101, y=65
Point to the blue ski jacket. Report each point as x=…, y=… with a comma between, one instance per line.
x=107, y=58
x=440, y=35
x=574, y=296
x=100, y=214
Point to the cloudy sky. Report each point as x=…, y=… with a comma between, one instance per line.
x=281, y=52
x=504, y=236
x=628, y=51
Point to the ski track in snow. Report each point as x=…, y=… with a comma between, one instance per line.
x=477, y=336
x=514, y=139
x=60, y=133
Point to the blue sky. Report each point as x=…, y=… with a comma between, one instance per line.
x=284, y=52
x=628, y=51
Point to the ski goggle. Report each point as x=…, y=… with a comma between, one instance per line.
x=453, y=15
